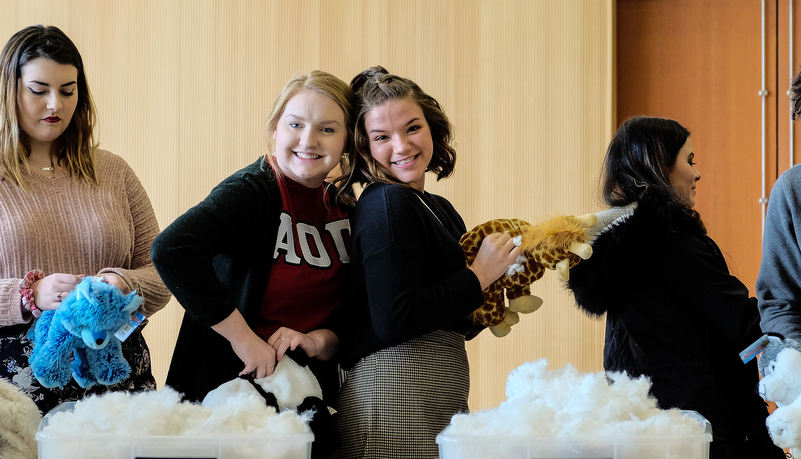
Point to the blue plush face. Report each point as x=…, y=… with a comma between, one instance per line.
x=95, y=339
x=95, y=310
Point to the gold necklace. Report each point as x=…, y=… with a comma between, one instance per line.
x=44, y=169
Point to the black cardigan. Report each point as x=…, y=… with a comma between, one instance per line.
x=675, y=314
x=217, y=257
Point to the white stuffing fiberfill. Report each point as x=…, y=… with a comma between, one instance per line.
x=243, y=428
x=567, y=403
x=162, y=413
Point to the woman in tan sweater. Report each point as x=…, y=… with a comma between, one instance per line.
x=67, y=209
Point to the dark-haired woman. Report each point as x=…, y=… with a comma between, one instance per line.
x=673, y=311
x=408, y=370
x=67, y=208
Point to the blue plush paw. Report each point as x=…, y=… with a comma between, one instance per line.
x=51, y=362
x=82, y=380
x=108, y=364
x=49, y=378
x=81, y=370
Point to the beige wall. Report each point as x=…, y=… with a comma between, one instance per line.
x=183, y=88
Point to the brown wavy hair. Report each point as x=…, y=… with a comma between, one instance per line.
x=373, y=87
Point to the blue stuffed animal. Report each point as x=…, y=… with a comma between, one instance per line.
x=77, y=339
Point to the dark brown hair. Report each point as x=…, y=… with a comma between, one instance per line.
x=638, y=163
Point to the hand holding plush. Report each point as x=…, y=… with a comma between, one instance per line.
x=77, y=339
x=291, y=386
x=780, y=367
x=557, y=244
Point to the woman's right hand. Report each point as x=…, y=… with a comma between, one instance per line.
x=497, y=252
x=254, y=352
x=258, y=356
x=51, y=290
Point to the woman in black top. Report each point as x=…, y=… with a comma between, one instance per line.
x=408, y=371
x=673, y=311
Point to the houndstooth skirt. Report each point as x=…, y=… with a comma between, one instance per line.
x=395, y=401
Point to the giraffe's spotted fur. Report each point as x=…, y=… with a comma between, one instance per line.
x=543, y=246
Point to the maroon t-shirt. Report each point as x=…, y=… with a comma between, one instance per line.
x=307, y=278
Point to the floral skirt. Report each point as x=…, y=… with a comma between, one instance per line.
x=15, y=350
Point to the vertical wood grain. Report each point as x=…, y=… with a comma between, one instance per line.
x=184, y=87
x=713, y=91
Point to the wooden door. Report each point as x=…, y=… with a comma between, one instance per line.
x=700, y=62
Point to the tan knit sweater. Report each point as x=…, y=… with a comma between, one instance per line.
x=65, y=226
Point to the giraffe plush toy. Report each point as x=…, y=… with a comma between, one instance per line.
x=557, y=244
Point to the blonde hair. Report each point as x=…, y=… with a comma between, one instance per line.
x=323, y=83
x=75, y=147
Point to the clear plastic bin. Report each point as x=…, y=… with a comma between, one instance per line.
x=694, y=446
x=54, y=445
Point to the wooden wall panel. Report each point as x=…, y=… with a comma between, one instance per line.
x=532, y=155
x=713, y=91
x=184, y=88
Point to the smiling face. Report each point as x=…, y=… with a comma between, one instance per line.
x=309, y=138
x=400, y=140
x=47, y=94
x=683, y=176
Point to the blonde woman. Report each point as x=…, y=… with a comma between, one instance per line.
x=259, y=265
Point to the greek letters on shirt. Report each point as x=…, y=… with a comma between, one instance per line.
x=307, y=237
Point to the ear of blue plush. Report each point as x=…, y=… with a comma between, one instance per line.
x=77, y=339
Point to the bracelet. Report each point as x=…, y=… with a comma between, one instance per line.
x=27, y=293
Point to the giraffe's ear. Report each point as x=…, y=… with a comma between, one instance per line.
x=582, y=249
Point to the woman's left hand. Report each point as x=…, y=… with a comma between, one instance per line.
x=321, y=344
x=285, y=338
x=117, y=281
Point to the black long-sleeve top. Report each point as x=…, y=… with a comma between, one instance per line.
x=408, y=271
